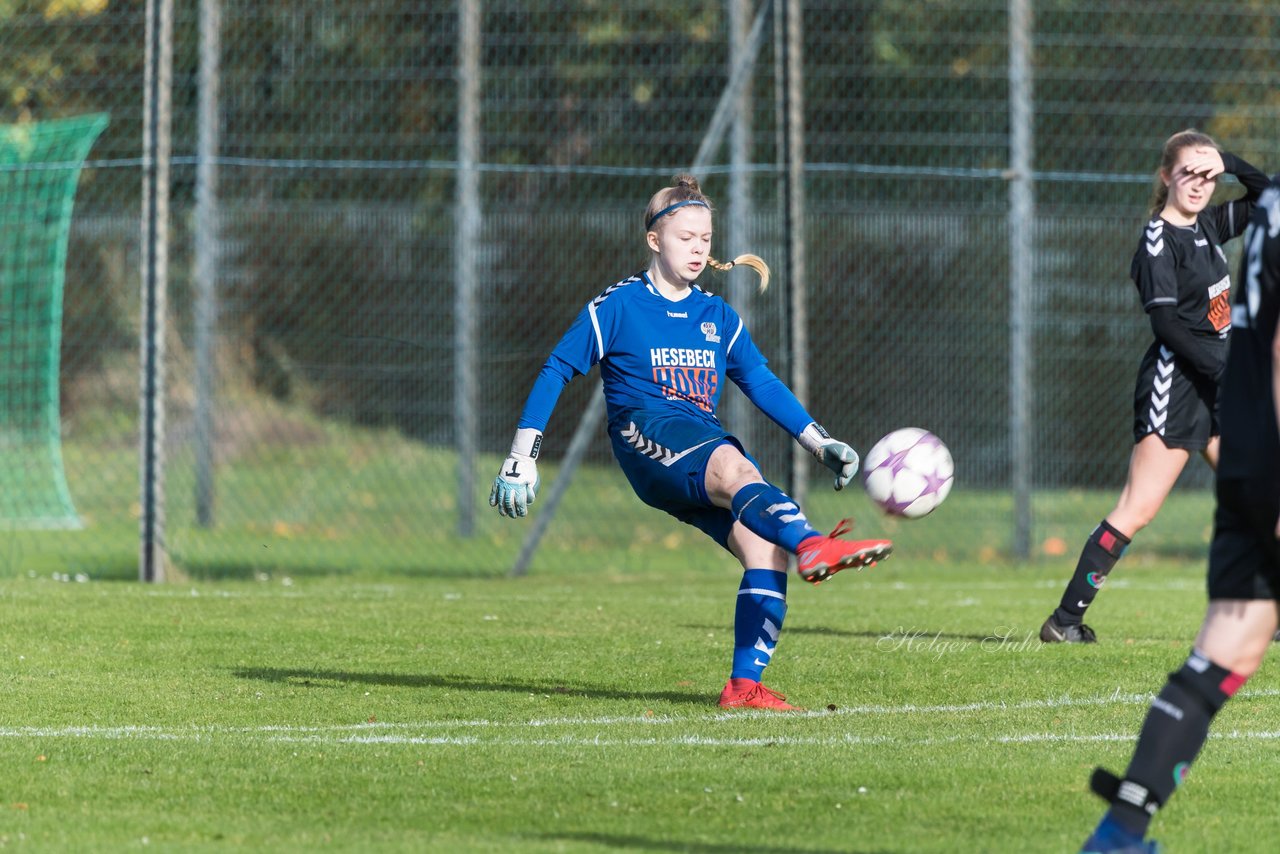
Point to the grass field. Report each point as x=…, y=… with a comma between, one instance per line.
x=338, y=670
x=573, y=710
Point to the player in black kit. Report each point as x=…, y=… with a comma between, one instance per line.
x=1244, y=558
x=1182, y=278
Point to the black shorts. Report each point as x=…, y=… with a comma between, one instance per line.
x=1244, y=558
x=1174, y=402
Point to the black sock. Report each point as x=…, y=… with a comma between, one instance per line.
x=1099, y=555
x=1176, y=727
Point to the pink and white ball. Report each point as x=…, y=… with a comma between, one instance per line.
x=908, y=473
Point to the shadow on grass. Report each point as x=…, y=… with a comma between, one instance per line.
x=641, y=843
x=308, y=678
x=245, y=571
x=214, y=573
x=898, y=633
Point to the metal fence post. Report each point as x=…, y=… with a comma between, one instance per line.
x=1021, y=268
x=464, y=259
x=206, y=255
x=156, y=147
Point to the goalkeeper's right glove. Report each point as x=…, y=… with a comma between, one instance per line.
x=516, y=485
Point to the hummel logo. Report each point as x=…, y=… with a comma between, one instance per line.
x=1202, y=243
x=1155, y=248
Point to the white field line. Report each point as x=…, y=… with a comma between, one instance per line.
x=1197, y=584
x=835, y=740
x=269, y=588
x=845, y=739
x=417, y=732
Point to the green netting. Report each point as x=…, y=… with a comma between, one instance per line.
x=39, y=168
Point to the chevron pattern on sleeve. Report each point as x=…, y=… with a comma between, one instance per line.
x=1155, y=237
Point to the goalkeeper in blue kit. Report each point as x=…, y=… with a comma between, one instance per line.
x=665, y=348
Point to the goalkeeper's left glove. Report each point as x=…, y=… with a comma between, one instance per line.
x=517, y=482
x=837, y=456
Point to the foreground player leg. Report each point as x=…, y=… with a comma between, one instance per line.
x=1153, y=470
x=1237, y=633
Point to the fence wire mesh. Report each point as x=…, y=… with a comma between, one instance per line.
x=335, y=409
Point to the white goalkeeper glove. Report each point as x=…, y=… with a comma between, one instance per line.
x=516, y=485
x=837, y=456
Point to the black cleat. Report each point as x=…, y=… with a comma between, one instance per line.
x=1054, y=632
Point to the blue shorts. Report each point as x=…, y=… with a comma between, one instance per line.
x=664, y=457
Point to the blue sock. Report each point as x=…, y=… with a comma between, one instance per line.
x=757, y=620
x=1112, y=835
x=767, y=512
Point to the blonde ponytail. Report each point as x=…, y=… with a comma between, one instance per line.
x=755, y=262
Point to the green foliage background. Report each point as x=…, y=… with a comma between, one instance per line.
x=338, y=146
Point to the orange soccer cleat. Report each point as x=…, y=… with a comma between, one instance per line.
x=750, y=694
x=819, y=557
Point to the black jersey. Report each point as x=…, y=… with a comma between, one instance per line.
x=1250, y=441
x=1185, y=267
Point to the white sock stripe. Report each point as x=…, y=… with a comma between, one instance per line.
x=771, y=629
x=745, y=506
x=760, y=591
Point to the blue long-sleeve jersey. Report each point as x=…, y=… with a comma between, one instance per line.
x=656, y=354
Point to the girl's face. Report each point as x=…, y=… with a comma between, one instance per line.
x=681, y=241
x=1189, y=193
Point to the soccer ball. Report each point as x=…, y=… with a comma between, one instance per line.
x=908, y=472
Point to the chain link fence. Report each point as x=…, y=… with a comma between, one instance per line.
x=312, y=401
